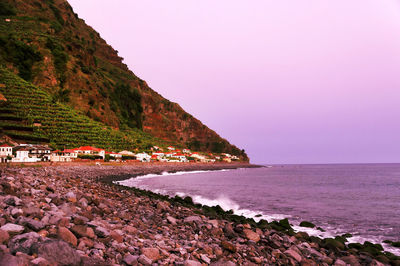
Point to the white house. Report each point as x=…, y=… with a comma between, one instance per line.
x=180, y=157
x=199, y=157
x=171, y=148
x=22, y=155
x=5, y=153
x=63, y=156
x=186, y=151
x=127, y=153
x=143, y=157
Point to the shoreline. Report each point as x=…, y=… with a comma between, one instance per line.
x=105, y=224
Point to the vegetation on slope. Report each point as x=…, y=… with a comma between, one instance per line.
x=31, y=114
x=47, y=44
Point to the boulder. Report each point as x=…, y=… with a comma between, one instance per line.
x=151, y=253
x=192, y=219
x=101, y=231
x=31, y=223
x=67, y=236
x=116, y=236
x=228, y=246
x=40, y=262
x=171, y=220
x=4, y=236
x=293, y=254
x=24, y=243
x=83, y=231
x=192, y=263
x=251, y=235
x=144, y=260
x=131, y=260
x=71, y=197
x=13, y=229
x=307, y=224
x=58, y=252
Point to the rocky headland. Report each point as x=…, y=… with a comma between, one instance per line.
x=75, y=215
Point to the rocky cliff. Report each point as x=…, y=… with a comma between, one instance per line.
x=47, y=44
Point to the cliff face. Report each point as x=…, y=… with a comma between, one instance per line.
x=47, y=44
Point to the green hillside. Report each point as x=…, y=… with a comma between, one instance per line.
x=31, y=115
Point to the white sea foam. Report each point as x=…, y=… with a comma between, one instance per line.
x=134, y=180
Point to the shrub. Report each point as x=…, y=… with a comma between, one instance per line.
x=6, y=9
x=20, y=54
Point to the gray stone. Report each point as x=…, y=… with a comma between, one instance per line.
x=31, y=223
x=223, y=263
x=293, y=254
x=171, y=220
x=205, y=258
x=101, y=231
x=13, y=229
x=24, y=243
x=12, y=201
x=144, y=260
x=192, y=263
x=130, y=259
x=58, y=251
x=192, y=219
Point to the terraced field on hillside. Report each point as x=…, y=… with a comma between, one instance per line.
x=30, y=114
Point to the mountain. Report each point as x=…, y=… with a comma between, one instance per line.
x=53, y=51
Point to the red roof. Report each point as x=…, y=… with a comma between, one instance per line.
x=179, y=154
x=87, y=148
x=5, y=145
x=69, y=150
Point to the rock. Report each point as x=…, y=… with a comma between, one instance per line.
x=205, y=258
x=171, y=220
x=67, y=236
x=144, y=260
x=12, y=200
x=223, y=262
x=130, y=259
x=24, y=243
x=16, y=212
x=83, y=231
x=59, y=252
x=293, y=254
x=10, y=260
x=31, y=223
x=71, y=197
x=192, y=219
x=101, y=231
x=93, y=261
x=214, y=223
x=228, y=246
x=151, y=253
x=251, y=235
x=228, y=231
x=117, y=237
x=307, y=224
x=40, y=262
x=339, y=262
x=351, y=259
x=192, y=263
x=4, y=236
x=13, y=229
x=130, y=229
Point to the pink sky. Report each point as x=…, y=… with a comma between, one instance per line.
x=308, y=81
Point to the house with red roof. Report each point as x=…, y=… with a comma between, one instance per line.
x=89, y=150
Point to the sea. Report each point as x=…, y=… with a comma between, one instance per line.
x=360, y=199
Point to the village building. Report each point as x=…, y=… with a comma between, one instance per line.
x=180, y=157
x=198, y=157
x=89, y=150
x=114, y=155
x=170, y=148
x=186, y=151
x=67, y=155
x=143, y=157
x=5, y=153
x=127, y=153
x=31, y=153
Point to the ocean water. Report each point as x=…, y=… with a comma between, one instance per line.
x=362, y=199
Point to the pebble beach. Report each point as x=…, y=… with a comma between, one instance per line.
x=77, y=215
